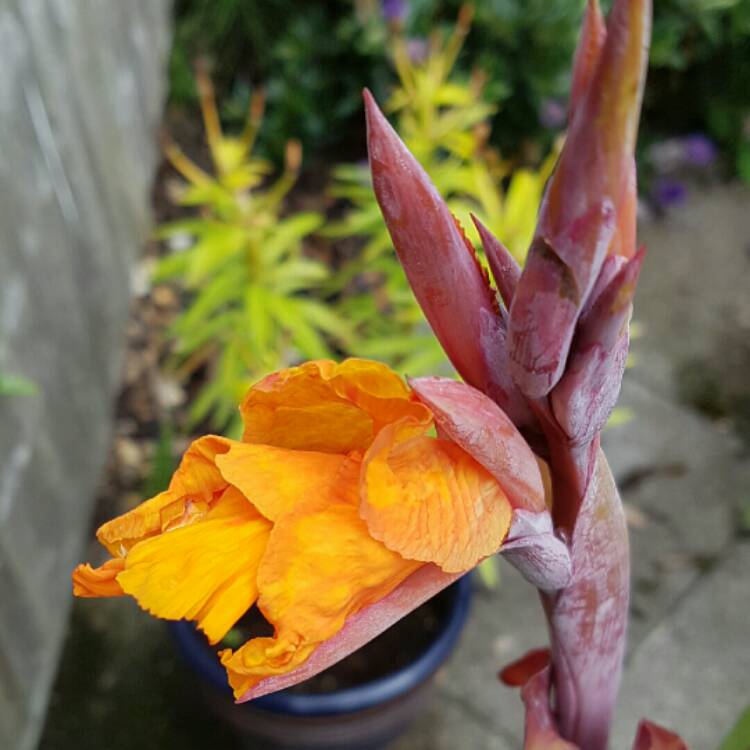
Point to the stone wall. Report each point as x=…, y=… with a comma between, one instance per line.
x=81, y=91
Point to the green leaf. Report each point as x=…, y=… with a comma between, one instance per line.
x=217, y=244
x=181, y=226
x=258, y=319
x=489, y=573
x=171, y=266
x=739, y=737
x=326, y=319
x=16, y=385
x=287, y=234
x=620, y=416
x=219, y=293
x=296, y=275
x=213, y=329
x=302, y=333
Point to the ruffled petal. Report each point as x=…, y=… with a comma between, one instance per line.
x=205, y=571
x=378, y=391
x=194, y=486
x=428, y=500
x=278, y=480
x=321, y=565
x=323, y=406
x=91, y=582
x=358, y=630
x=479, y=426
x=262, y=658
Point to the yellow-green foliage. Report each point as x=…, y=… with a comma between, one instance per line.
x=443, y=122
x=255, y=299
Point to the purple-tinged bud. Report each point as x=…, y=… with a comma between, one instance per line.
x=500, y=386
x=612, y=266
x=585, y=396
x=590, y=206
x=590, y=44
x=504, y=267
x=546, y=306
x=438, y=259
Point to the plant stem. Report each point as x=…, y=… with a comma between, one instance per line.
x=588, y=619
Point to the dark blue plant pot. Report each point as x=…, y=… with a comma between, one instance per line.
x=364, y=717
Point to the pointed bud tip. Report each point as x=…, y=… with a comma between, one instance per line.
x=505, y=269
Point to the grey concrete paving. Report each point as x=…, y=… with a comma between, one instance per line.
x=692, y=673
x=694, y=286
x=682, y=481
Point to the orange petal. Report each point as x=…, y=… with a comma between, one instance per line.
x=194, y=486
x=205, y=571
x=277, y=480
x=429, y=500
x=91, y=582
x=378, y=391
x=478, y=425
x=321, y=565
x=358, y=630
x=261, y=658
x=323, y=406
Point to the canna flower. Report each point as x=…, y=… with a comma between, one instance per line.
x=340, y=511
x=337, y=512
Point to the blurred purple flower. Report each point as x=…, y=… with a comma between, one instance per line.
x=552, y=114
x=668, y=193
x=393, y=10
x=417, y=49
x=699, y=150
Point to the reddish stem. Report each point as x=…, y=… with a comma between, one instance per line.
x=588, y=619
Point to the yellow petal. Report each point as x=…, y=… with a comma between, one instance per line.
x=277, y=480
x=205, y=571
x=194, y=486
x=321, y=565
x=429, y=500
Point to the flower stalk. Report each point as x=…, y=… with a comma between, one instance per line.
x=353, y=496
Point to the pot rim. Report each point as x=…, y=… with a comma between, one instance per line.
x=359, y=698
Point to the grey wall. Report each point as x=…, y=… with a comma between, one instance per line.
x=81, y=91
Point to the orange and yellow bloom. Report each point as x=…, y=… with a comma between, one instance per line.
x=337, y=493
